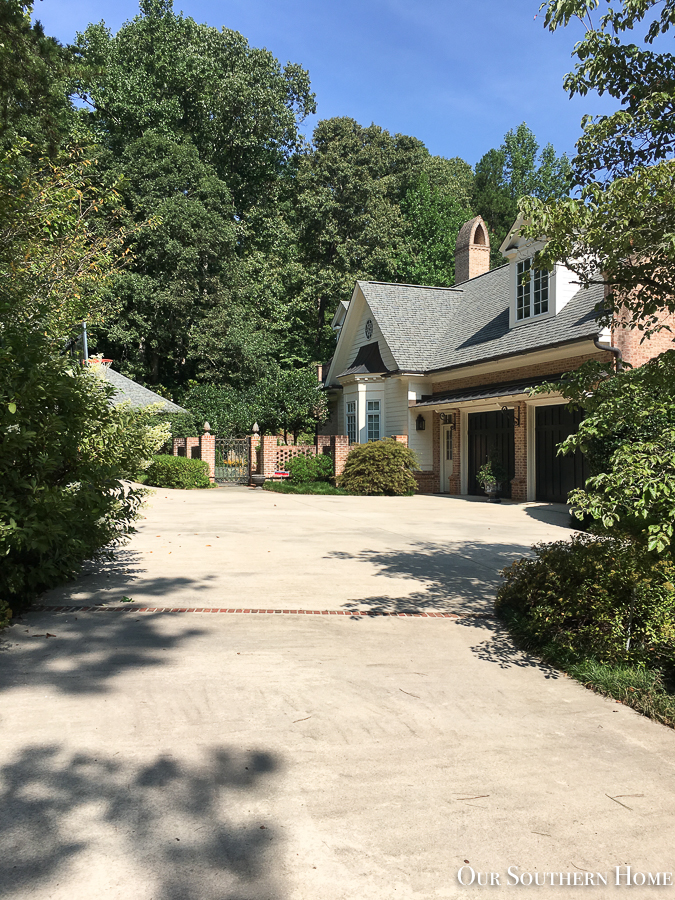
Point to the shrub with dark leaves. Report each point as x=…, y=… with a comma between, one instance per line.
x=592, y=597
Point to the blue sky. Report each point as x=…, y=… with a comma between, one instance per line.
x=455, y=74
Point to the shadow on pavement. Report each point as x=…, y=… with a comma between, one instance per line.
x=500, y=648
x=171, y=828
x=460, y=577
x=107, y=581
x=553, y=514
x=82, y=655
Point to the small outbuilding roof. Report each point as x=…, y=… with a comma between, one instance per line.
x=127, y=390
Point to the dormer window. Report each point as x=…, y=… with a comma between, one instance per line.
x=531, y=290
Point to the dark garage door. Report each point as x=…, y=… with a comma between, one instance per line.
x=556, y=475
x=490, y=431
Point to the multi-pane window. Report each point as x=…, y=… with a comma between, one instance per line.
x=351, y=421
x=448, y=445
x=373, y=420
x=531, y=290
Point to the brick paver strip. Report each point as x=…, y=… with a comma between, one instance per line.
x=288, y=612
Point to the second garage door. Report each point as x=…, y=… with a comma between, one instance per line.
x=557, y=475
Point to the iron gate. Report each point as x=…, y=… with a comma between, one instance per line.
x=232, y=460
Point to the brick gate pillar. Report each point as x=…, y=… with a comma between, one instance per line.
x=207, y=451
x=339, y=446
x=267, y=459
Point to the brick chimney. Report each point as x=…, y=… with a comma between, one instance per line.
x=472, y=250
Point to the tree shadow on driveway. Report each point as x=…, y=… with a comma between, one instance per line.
x=461, y=577
x=82, y=654
x=172, y=829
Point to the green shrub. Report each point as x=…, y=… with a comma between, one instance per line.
x=379, y=467
x=178, y=472
x=305, y=469
x=64, y=453
x=586, y=598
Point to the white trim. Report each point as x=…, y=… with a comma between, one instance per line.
x=464, y=451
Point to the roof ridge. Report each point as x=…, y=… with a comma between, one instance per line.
x=426, y=287
x=483, y=274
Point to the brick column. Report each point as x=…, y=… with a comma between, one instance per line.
x=519, y=481
x=192, y=447
x=179, y=447
x=267, y=459
x=207, y=451
x=339, y=445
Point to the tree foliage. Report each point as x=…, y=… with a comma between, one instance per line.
x=628, y=437
x=618, y=229
x=515, y=170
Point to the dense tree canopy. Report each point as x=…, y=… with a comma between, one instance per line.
x=516, y=170
x=618, y=227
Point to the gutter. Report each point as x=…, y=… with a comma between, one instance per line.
x=615, y=351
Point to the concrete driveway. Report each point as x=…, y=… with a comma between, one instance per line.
x=294, y=756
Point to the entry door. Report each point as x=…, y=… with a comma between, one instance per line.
x=446, y=458
x=557, y=475
x=487, y=432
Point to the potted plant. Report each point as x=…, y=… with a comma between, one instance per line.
x=491, y=476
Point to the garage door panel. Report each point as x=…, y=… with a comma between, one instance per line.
x=556, y=475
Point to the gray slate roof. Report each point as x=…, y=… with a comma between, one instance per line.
x=136, y=394
x=429, y=328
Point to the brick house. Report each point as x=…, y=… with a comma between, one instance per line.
x=448, y=369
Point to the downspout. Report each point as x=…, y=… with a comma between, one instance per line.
x=614, y=350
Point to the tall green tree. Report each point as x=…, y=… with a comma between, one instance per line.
x=34, y=82
x=183, y=262
x=369, y=204
x=515, y=170
x=434, y=219
x=618, y=227
x=164, y=73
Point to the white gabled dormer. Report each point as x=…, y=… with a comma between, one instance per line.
x=535, y=293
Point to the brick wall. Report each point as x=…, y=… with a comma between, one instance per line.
x=427, y=482
x=534, y=371
x=637, y=351
x=286, y=452
x=401, y=438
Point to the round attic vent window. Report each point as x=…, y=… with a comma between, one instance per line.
x=369, y=329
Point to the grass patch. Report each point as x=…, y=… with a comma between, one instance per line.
x=648, y=691
x=312, y=487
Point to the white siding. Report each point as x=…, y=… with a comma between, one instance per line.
x=359, y=339
x=420, y=441
x=396, y=399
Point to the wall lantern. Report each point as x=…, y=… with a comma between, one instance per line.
x=420, y=423
x=447, y=419
x=516, y=418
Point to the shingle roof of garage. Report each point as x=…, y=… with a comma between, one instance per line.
x=428, y=328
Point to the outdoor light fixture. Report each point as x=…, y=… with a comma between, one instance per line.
x=420, y=424
x=448, y=419
x=516, y=418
